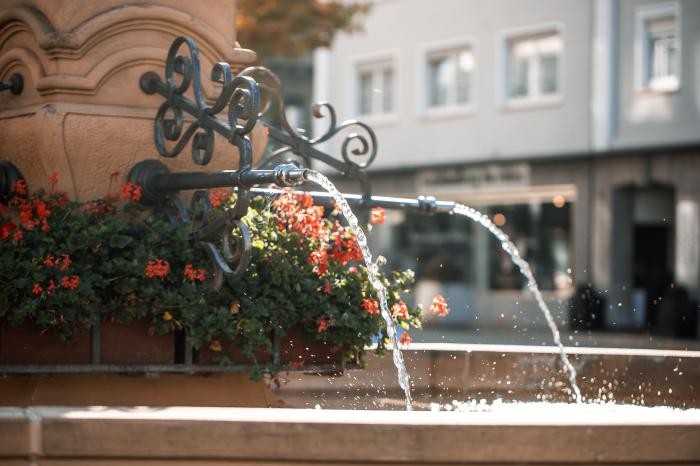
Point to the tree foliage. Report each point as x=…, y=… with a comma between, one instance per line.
x=294, y=27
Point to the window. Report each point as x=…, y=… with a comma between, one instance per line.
x=533, y=66
x=375, y=89
x=658, y=45
x=450, y=78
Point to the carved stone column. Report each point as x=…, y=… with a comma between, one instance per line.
x=81, y=112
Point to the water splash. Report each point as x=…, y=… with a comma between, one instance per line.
x=524, y=267
x=374, y=279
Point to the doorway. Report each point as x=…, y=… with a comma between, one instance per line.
x=642, y=258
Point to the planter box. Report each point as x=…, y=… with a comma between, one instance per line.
x=299, y=349
x=234, y=353
x=26, y=344
x=132, y=344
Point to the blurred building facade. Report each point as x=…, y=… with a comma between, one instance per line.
x=575, y=125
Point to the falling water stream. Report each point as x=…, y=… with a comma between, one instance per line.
x=404, y=381
x=524, y=267
x=507, y=246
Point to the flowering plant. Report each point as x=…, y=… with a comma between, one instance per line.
x=66, y=265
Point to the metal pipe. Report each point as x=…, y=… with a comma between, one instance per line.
x=286, y=175
x=424, y=204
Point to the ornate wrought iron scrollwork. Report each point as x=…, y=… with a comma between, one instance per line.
x=255, y=94
x=239, y=97
x=359, y=143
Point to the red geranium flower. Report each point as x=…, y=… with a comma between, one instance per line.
x=70, y=282
x=66, y=262
x=371, y=306
x=319, y=258
x=219, y=196
x=131, y=192
x=194, y=275
x=6, y=229
x=439, y=306
x=400, y=310
x=376, y=215
x=41, y=210
x=53, y=179
x=20, y=188
x=323, y=324
x=157, y=268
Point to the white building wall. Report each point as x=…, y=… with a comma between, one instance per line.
x=658, y=118
x=492, y=131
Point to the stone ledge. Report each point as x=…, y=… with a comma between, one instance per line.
x=284, y=435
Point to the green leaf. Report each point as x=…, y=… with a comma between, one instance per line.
x=120, y=241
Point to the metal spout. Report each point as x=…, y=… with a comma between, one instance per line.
x=289, y=175
x=157, y=182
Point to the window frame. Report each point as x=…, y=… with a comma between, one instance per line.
x=445, y=48
x=506, y=38
x=643, y=81
x=377, y=62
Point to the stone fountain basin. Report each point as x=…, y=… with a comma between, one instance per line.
x=521, y=429
x=444, y=372
x=227, y=436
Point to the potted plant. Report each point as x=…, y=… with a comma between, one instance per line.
x=66, y=267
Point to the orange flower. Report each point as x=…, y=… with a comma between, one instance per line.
x=37, y=289
x=400, y=310
x=327, y=287
x=157, y=268
x=371, y=306
x=376, y=215
x=18, y=235
x=439, y=306
x=323, y=324
x=194, y=275
x=405, y=339
x=131, y=192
